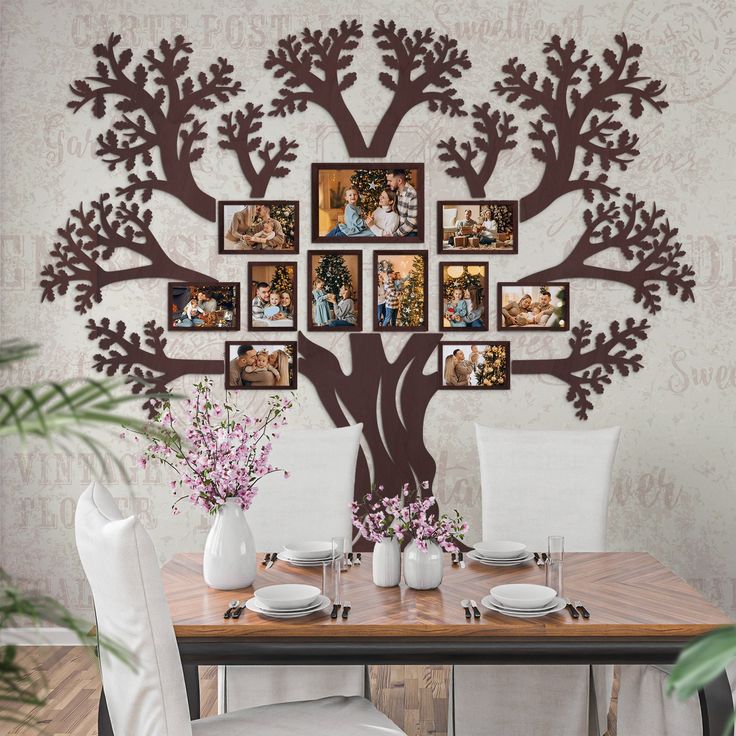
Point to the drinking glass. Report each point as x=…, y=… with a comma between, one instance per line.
x=331, y=571
x=555, y=563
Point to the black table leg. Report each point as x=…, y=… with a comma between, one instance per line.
x=191, y=681
x=104, y=727
x=716, y=704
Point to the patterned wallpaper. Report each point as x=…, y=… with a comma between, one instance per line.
x=674, y=492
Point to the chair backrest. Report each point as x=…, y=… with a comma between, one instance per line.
x=536, y=483
x=121, y=566
x=314, y=501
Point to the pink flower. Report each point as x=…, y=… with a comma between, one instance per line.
x=142, y=462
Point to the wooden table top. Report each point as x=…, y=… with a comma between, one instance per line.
x=630, y=595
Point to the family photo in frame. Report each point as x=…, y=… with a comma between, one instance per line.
x=474, y=226
x=258, y=226
x=360, y=205
x=203, y=306
x=464, y=296
x=335, y=299
x=260, y=365
x=400, y=290
x=272, y=295
x=533, y=306
x=484, y=366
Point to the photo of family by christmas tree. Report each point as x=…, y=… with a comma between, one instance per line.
x=533, y=306
x=464, y=296
x=272, y=296
x=400, y=290
x=335, y=280
x=477, y=226
x=260, y=365
x=472, y=365
x=204, y=306
x=359, y=205
x=258, y=227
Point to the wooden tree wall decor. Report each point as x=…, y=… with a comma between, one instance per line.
x=571, y=121
x=158, y=103
x=92, y=235
x=313, y=66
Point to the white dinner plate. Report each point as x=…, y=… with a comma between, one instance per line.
x=301, y=563
x=323, y=602
x=499, y=563
x=523, y=595
x=500, y=549
x=488, y=603
x=287, y=597
x=542, y=609
x=308, y=550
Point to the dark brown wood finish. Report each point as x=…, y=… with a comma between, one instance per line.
x=441, y=297
x=203, y=287
x=257, y=344
x=357, y=290
x=441, y=366
x=630, y=595
x=263, y=252
x=557, y=285
x=294, y=296
x=377, y=255
x=483, y=250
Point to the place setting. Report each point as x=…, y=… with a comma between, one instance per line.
x=289, y=600
x=500, y=553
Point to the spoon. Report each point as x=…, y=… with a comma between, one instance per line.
x=233, y=604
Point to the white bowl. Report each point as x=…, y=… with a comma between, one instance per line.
x=286, y=597
x=523, y=595
x=500, y=550
x=308, y=550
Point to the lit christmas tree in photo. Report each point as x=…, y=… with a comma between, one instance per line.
x=370, y=183
x=493, y=371
x=333, y=270
x=464, y=277
x=285, y=214
x=412, y=309
x=283, y=278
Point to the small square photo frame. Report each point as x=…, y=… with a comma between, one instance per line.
x=485, y=366
x=468, y=310
x=335, y=290
x=478, y=227
x=346, y=195
x=402, y=305
x=258, y=227
x=272, y=296
x=203, y=307
x=246, y=370
x=533, y=306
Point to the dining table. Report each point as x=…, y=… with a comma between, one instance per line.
x=640, y=613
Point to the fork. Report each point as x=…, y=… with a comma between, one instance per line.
x=266, y=558
x=357, y=559
x=465, y=603
x=583, y=610
x=345, y=610
x=573, y=611
x=476, y=611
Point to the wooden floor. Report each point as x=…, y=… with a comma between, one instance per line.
x=414, y=697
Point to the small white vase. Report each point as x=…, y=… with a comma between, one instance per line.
x=423, y=568
x=229, y=552
x=387, y=563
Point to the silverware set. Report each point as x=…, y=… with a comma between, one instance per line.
x=540, y=559
x=457, y=559
x=270, y=559
x=577, y=609
x=235, y=609
x=468, y=604
x=345, y=610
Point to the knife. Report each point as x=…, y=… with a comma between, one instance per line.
x=270, y=563
x=336, y=608
x=357, y=559
x=476, y=612
x=346, y=610
x=465, y=603
x=571, y=609
x=238, y=611
x=266, y=558
x=350, y=559
x=582, y=609
x=454, y=558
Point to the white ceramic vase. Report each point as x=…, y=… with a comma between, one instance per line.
x=423, y=568
x=387, y=563
x=229, y=552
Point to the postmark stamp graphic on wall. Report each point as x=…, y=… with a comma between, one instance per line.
x=692, y=44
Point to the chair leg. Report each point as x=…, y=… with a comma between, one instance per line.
x=104, y=726
x=366, y=682
x=191, y=682
x=716, y=704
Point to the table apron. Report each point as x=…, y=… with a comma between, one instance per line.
x=224, y=651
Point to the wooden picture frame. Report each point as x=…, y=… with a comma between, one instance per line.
x=476, y=248
x=484, y=299
x=261, y=251
x=253, y=268
x=561, y=323
x=444, y=349
x=357, y=290
x=171, y=321
x=316, y=210
x=379, y=255
x=231, y=353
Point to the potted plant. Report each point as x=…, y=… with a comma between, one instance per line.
x=220, y=456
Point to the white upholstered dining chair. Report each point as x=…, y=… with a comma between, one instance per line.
x=535, y=483
x=150, y=699
x=313, y=503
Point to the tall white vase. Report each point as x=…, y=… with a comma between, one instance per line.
x=423, y=568
x=387, y=563
x=229, y=552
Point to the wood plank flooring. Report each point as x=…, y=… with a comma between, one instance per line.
x=413, y=697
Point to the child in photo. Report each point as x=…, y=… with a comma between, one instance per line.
x=321, y=303
x=381, y=299
x=273, y=309
x=384, y=220
x=189, y=313
x=456, y=310
x=354, y=225
x=265, y=234
x=262, y=365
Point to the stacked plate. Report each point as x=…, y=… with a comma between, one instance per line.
x=287, y=601
x=306, y=554
x=500, y=553
x=523, y=601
